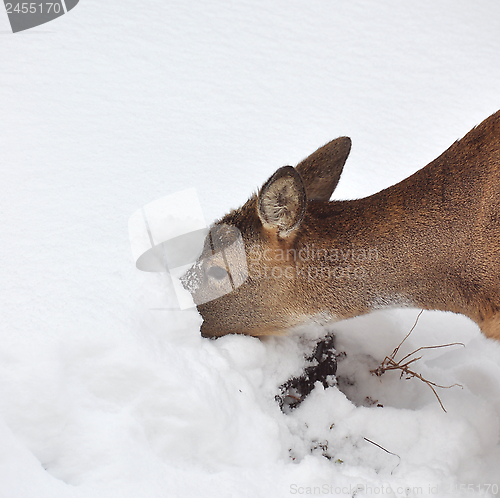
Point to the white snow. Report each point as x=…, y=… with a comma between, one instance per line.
x=117, y=104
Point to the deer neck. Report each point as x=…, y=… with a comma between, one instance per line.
x=404, y=246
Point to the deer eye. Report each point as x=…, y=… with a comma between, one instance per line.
x=217, y=272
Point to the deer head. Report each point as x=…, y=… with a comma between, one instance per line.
x=257, y=291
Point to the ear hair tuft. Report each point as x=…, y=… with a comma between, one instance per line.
x=282, y=201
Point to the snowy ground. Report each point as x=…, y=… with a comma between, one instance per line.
x=117, y=104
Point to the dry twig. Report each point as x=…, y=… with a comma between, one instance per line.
x=387, y=451
x=390, y=363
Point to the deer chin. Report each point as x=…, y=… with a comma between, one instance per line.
x=214, y=333
x=294, y=322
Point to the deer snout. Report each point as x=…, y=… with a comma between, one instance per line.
x=208, y=333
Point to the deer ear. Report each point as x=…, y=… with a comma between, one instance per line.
x=282, y=202
x=322, y=169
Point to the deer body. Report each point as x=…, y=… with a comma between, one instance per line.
x=431, y=241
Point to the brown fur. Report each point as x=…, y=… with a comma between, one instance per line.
x=433, y=241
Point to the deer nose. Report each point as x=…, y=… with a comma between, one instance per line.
x=206, y=332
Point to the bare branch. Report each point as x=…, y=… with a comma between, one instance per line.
x=395, y=352
x=390, y=363
x=387, y=451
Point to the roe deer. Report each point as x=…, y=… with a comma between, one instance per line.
x=431, y=241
